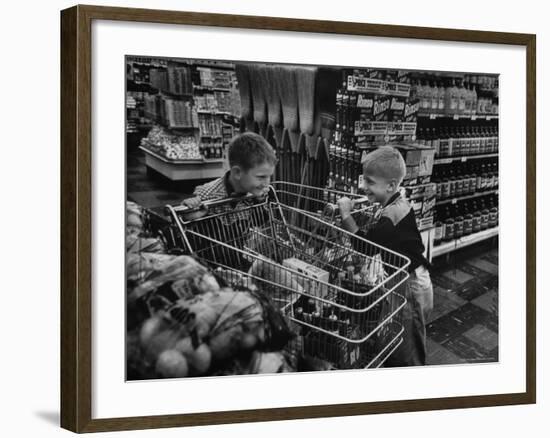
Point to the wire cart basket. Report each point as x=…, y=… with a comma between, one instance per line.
x=340, y=292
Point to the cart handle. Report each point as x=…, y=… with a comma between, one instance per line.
x=329, y=208
x=214, y=203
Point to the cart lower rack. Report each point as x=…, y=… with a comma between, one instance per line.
x=341, y=292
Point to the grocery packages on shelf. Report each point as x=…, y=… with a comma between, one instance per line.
x=174, y=147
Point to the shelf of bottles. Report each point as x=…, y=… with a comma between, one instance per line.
x=456, y=96
x=465, y=217
x=458, y=118
x=191, y=106
x=459, y=181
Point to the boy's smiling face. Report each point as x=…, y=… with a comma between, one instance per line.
x=254, y=180
x=378, y=188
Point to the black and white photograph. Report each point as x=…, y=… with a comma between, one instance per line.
x=289, y=218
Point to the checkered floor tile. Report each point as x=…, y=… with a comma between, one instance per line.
x=463, y=327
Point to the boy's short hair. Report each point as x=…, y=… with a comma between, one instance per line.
x=248, y=150
x=387, y=162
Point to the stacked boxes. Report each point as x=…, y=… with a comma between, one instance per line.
x=210, y=77
x=179, y=114
x=312, y=272
x=179, y=80
x=419, y=160
x=158, y=78
x=381, y=110
x=422, y=200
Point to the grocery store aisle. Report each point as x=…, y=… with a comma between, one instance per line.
x=463, y=327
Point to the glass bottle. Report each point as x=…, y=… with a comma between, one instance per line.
x=468, y=220
x=484, y=217
x=444, y=142
x=462, y=97
x=449, y=229
x=441, y=98
x=435, y=140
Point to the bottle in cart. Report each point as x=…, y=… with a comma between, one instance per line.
x=330, y=182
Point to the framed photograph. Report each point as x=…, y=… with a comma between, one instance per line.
x=268, y=219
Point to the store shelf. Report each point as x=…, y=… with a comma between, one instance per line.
x=207, y=88
x=463, y=158
x=190, y=161
x=215, y=113
x=214, y=64
x=182, y=170
x=170, y=94
x=456, y=244
x=463, y=198
x=459, y=117
x=156, y=120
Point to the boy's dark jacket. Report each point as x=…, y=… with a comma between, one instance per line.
x=397, y=230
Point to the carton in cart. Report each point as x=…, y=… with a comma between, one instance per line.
x=316, y=274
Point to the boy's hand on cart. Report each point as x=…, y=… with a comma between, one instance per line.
x=193, y=203
x=345, y=205
x=196, y=208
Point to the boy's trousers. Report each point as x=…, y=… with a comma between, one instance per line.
x=418, y=291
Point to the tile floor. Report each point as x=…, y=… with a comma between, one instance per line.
x=463, y=326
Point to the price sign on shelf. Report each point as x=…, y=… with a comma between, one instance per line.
x=463, y=159
x=432, y=116
x=453, y=201
x=455, y=117
x=474, y=117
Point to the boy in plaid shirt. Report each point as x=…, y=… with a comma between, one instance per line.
x=252, y=162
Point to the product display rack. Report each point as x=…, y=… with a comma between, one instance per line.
x=177, y=170
x=453, y=115
x=473, y=117
x=168, y=82
x=431, y=118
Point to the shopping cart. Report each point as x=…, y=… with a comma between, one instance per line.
x=321, y=202
x=341, y=295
